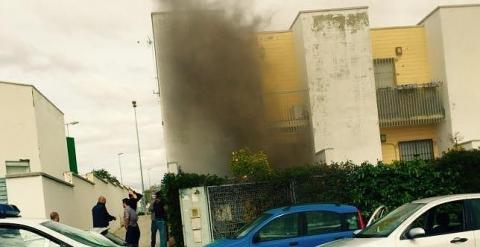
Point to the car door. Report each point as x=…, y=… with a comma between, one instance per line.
x=283, y=231
x=444, y=225
x=473, y=207
x=325, y=226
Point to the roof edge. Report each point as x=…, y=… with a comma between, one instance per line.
x=396, y=27
x=445, y=7
x=323, y=10
x=34, y=88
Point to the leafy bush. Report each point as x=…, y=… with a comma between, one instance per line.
x=247, y=166
x=171, y=184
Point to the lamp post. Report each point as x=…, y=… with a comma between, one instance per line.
x=134, y=104
x=71, y=123
x=120, y=166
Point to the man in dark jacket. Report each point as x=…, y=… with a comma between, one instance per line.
x=159, y=220
x=100, y=215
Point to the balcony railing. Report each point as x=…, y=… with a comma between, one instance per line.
x=410, y=105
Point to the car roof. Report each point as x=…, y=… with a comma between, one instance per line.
x=446, y=198
x=338, y=208
x=22, y=221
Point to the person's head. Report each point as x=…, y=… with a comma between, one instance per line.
x=158, y=194
x=125, y=202
x=55, y=216
x=102, y=200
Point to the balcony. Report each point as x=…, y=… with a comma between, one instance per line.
x=410, y=105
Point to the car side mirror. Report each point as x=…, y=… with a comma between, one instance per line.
x=416, y=233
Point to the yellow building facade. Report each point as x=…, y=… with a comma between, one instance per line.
x=400, y=59
x=406, y=49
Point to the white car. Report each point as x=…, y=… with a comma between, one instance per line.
x=17, y=231
x=432, y=222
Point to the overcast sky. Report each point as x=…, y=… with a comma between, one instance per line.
x=86, y=58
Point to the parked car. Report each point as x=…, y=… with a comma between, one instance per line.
x=18, y=231
x=452, y=220
x=299, y=225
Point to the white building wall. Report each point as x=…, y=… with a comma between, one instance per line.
x=37, y=196
x=452, y=39
x=18, y=130
x=51, y=136
x=27, y=194
x=339, y=74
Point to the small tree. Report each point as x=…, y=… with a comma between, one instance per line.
x=105, y=175
x=247, y=165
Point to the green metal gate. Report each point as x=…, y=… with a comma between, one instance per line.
x=3, y=191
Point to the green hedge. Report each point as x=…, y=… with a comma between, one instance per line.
x=366, y=186
x=171, y=184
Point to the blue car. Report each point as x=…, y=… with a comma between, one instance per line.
x=300, y=225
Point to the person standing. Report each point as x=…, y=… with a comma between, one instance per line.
x=159, y=220
x=100, y=215
x=130, y=220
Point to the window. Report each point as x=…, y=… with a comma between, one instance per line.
x=416, y=150
x=280, y=228
x=352, y=222
x=384, y=70
x=323, y=222
x=17, y=167
x=443, y=219
x=474, y=206
x=14, y=236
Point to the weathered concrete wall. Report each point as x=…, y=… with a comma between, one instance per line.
x=339, y=73
x=453, y=37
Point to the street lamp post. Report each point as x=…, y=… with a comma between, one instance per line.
x=134, y=104
x=71, y=123
x=120, y=166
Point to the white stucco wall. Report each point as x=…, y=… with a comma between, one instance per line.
x=27, y=194
x=452, y=39
x=51, y=136
x=38, y=196
x=18, y=130
x=339, y=73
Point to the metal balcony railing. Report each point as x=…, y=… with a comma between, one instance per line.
x=410, y=105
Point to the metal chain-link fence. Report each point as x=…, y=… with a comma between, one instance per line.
x=232, y=206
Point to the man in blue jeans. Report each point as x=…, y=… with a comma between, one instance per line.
x=159, y=220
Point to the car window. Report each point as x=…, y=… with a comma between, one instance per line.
x=283, y=227
x=248, y=227
x=443, y=219
x=386, y=225
x=14, y=236
x=475, y=213
x=323, y=222
x=352, y=221
x=84, y=237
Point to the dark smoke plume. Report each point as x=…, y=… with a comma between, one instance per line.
x=215, y=81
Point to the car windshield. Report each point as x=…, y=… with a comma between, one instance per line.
x=84, y=237
x=248, y=227
x=387, y=224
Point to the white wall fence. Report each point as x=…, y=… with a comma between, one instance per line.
x=38, y=194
